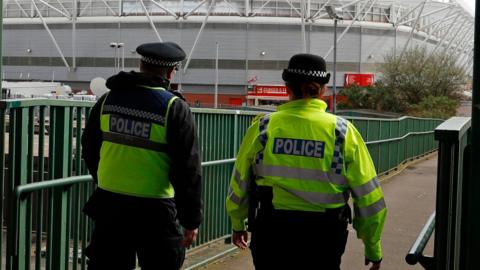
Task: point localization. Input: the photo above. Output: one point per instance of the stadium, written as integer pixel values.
(232, 45)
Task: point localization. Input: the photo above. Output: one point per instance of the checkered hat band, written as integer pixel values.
(313, 73)
(157, 62)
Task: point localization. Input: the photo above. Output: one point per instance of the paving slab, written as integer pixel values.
(410, 198)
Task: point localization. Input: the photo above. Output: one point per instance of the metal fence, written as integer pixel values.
(392, 142)
(40, 140)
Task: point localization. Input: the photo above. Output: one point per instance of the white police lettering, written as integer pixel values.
(297, 147)
(288, 146)
(129, 126)
(278, 145)
(309, 148)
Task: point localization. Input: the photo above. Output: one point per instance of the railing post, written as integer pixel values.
(443, 228)
(451, 187)
(18, 149)
(235, 133)
(59, 160)
(472, 198)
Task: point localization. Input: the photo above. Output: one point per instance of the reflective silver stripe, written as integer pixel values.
(134, 141)
(243, 185)
(365, 188)
(337, 179)
(239, 201)
(317, 197)
(300, 173)
(370, 210)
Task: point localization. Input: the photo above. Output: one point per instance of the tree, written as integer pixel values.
(417, 75)
(416, 83)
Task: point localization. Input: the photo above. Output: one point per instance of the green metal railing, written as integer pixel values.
(392, 142)
(40, 140)
(415, 254)
(452, 218)
(220, 135)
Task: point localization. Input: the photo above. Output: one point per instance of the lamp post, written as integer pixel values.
(215, 102)
(121, 45)
(333, 14)
(118, 45)
(114, 45)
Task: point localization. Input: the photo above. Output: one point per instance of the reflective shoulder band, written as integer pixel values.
(134, 141)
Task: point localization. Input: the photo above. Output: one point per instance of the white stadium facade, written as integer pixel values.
(74, 41)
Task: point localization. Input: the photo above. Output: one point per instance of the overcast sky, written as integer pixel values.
(470, 4)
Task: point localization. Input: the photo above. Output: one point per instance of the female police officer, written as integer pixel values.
(293, 176)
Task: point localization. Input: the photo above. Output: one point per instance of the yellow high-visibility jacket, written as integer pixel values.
(133, 155)
(313, 161)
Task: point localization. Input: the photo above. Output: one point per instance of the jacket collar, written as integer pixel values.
(304, 103)
(129, 80)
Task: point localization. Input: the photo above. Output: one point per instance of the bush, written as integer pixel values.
(374, 97)
(435, 107)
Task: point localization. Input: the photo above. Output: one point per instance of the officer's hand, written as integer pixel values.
(375, 265)
(240, 239)
(189, 236)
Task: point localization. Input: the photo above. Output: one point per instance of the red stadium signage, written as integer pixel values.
(269, 91)
(360, 79)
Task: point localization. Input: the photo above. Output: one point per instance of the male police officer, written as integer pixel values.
(294, 172)
(140, 145)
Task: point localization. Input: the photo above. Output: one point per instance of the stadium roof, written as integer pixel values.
(446, 22)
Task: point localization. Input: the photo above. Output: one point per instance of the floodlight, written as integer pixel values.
(333, 12)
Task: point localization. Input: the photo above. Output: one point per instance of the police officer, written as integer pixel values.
(140, 146)
(293, 176)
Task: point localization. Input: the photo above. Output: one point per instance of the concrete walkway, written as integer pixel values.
(410, 198)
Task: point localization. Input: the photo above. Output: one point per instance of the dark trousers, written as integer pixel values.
(298, 240)
(128, 227)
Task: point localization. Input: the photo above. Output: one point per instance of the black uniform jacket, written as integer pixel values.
(185, 169)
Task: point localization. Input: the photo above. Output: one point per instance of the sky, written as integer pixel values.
(468, 4)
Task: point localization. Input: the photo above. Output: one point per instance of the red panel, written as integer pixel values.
(235, 101)
(361, 79)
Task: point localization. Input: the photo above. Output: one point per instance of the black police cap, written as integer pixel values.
(306, 67)
(161, 54)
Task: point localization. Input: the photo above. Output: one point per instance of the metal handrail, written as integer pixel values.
(399, 138)
(69, 181)
(415, 254)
